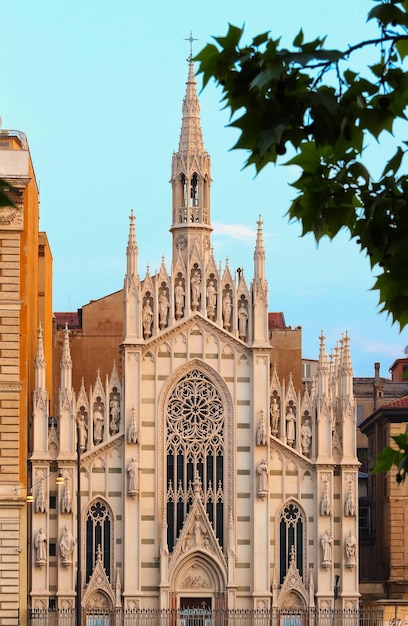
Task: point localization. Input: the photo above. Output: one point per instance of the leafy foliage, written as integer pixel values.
(390, 457)
(310, 100)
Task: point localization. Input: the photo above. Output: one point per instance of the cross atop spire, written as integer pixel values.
(191, 39)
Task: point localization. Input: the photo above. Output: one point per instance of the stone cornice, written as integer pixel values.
(10, 387)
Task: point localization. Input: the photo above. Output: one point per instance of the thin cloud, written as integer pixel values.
(393, 351)
(235, 231)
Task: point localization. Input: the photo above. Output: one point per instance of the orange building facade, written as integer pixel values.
(25, 271)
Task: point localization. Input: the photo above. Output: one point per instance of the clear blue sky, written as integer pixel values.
(97, 86)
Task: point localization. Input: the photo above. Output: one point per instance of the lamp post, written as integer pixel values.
(79, 566)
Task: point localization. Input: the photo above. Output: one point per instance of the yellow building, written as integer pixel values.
(25, 269)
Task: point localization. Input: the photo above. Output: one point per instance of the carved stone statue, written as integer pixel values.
(274, 416)
(261, 432)
(114, 409)
(325, 506)
(262, 470)
(147, 318)
(133, 473)
(98, 424)
(211, 300)
(83, 435)
(66, 500)
(326, 541)
(67, 544)
(195, 290)
(350, 546)
(226, 310)
(290, 427)
(40, 501)
(242, 320)
(40, 545)
(179, 299)
(163, 308)
(306, 437)
(350, 505)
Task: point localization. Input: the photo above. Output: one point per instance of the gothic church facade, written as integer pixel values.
(206, 479)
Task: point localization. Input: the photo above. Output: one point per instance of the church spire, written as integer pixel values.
(259, 253)
(191, 138)
(191, 181)
(66, 363)
(131, 251)
(131, 291)
(260, 291)
(39, 362)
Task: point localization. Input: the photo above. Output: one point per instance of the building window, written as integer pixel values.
(364, 518)
(291, 529)
(98, 528)
(306, 370)
(360, 414)
(195, 452)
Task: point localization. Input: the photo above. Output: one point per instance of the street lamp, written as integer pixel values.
(79, 566)
(59, 481)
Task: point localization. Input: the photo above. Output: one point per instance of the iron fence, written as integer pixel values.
(205, 617)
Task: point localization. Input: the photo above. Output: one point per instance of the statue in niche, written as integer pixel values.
(179, 299)
(40, 545)
(147, 318)
(133, 474)
(274, 416)
(326, 541)
(306, 437)
(98, 424)
(200, 532)
(66, 500)
(211, 300)
(290, 427)
(242, 320)
(226, 310)
(261, 432)
(133, 435)
(195, 290)
(163, 308)
(262, 471)
(114, 409)
(40, 502)
(325, 506)
(350, 546)
(67, 544)
(82, 428)
(350, 505)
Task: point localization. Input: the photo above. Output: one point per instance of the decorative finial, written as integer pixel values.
(191, 39)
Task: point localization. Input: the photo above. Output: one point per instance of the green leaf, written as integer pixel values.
(260, 39)
(298, 40)
(394, 163)
(232, 38)
(402, 48)
(386, 460)
(388, 14)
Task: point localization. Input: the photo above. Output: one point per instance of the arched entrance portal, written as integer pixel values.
(198, 585)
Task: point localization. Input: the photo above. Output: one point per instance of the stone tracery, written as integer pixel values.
(195, 450)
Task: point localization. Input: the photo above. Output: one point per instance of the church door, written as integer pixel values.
(195, 611)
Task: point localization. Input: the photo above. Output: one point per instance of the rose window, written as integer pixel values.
(195, 451)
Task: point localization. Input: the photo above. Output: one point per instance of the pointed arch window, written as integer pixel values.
(195, 451)
(98, 530)
(194, 190)
(291, 535)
